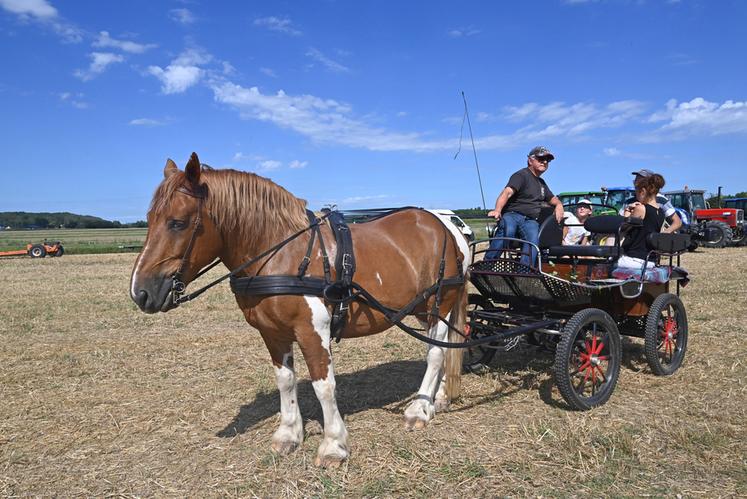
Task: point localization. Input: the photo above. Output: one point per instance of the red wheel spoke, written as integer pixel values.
(599, 349)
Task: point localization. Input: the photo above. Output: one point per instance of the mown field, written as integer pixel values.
(77, 241)
(99, 399)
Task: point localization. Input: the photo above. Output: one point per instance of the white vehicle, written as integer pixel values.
(448, 215)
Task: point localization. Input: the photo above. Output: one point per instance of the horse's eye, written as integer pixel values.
(176, 224)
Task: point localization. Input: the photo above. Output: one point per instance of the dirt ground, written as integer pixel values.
(100, 399)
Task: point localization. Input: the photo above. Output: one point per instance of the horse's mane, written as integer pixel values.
(242, 204)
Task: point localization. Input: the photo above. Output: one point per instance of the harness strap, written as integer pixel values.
(178, 298)
(307, 259)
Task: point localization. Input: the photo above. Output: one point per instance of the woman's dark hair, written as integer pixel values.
(651, 184)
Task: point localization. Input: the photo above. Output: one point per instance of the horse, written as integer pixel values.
(200, 214)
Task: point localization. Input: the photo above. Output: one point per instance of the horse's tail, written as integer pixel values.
(453, 364)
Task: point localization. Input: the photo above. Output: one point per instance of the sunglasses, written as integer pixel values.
(543, 159)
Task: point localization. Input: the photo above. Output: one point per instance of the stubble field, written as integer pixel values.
(99, 399)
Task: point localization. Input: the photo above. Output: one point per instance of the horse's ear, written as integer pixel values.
(193, 170)
(169, 169)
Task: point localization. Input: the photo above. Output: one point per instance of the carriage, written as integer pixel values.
(574, 301)
(308, 279)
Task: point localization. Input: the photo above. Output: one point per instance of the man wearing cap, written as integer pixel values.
(518, 206)
(673, 219)
(574, 231)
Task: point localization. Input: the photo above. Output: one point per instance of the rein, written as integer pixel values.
(330, 291)
(178, 287)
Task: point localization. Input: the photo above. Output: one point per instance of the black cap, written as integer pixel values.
(541, 152)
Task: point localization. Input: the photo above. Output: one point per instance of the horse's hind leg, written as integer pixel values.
(421, 410)
(315, 346)
(289, 434)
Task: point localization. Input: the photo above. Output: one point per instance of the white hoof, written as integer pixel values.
(419, 413)
(331, 454)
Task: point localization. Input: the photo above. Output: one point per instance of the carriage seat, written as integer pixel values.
(551, 237)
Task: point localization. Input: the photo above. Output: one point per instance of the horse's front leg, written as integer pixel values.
(289, 435)
(421, 410)
(316, 350)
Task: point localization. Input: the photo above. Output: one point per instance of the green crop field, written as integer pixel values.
(77, 241)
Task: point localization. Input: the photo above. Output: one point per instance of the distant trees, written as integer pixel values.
(24, 220)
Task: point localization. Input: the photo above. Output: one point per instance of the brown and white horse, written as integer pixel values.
(242, 215)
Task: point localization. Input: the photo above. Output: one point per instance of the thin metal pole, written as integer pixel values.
(474, 151)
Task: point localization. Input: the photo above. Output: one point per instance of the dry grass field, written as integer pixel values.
(99, 399)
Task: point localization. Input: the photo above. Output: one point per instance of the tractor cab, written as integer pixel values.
(616, 196)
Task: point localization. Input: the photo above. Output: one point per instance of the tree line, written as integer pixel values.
(59, 220)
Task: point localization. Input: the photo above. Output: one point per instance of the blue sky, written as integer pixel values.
(358, 103)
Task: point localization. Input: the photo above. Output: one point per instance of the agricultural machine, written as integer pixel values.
(711, 227)
(37, 250)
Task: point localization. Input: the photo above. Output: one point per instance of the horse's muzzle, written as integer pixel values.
(154, 295)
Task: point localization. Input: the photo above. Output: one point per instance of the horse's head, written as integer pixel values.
(181, 238)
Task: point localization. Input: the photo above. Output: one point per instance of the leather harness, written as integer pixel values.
(340, 292)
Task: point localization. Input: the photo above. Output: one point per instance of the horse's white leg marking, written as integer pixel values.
(334, 447)
(422, 409)
(289, 434)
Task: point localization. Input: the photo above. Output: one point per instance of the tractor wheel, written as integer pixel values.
(588, 358)
(476, 359)
(724, 234)
(60, 251)
(738, 237)
(37, 251)
(666, 334)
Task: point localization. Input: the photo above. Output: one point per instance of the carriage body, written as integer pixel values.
(586, 302)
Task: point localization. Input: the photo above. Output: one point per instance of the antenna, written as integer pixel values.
(474, 151)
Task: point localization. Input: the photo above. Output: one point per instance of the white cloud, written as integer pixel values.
(146, 122)
(99, 62)
(44, 13)
(558, 119)
(699, 117)
(321, 120)
(326, 61)
(268, 72)
(269, 164)
(182, 16)
(611, 151)
(281, 25)
(40, 9)
(74, 99)
(241, 157)
(360, 199)
(295, 164)
(105, 40)
(462, 32)
(183, 72)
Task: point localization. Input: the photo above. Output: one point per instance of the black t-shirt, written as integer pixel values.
(530, 191)
(635, 241)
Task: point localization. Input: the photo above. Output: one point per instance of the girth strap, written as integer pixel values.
(340, 291)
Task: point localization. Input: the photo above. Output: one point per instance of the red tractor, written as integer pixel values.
(710, 227)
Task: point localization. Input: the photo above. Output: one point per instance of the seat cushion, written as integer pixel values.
(584, 250)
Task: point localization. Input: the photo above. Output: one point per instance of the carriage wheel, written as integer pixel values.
(587, 360)
(476, 359)
(666, 334)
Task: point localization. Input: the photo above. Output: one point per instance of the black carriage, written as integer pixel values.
(574, 301)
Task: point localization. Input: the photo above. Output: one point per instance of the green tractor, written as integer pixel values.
(597, 198)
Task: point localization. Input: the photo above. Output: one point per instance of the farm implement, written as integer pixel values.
(39, 250)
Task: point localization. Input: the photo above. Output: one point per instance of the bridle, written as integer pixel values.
(177, 284)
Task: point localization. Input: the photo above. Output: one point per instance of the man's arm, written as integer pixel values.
(558, 204)
(674, 224)
(500, 202)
